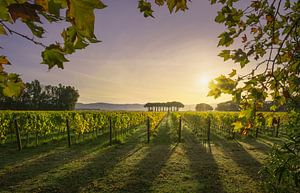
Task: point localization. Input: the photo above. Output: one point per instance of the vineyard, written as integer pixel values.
(36, 128)
(109, 151)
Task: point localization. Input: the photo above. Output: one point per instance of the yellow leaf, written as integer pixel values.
(42, 3)
(253, 30)
(2, 30)
(4, 60)
(269, 18)
(275, 40)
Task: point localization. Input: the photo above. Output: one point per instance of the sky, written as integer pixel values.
(166, 58)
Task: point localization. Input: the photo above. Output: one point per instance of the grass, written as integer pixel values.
(135, 166)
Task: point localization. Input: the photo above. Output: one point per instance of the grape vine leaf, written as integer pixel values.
(53, 55)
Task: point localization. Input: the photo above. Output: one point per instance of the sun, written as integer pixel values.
(204, 80)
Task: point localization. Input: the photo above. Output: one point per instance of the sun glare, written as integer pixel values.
(204, 80)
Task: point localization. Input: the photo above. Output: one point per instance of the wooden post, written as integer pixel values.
(277, 128)
(110, 131)
(36, 138)
(11, 131)
(68, 131)
(18, 136)
(27, 139)
(148, 130)
(208, 128)
(254, 118)
(179, 131)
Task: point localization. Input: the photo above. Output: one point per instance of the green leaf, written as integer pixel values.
(233, 73)
(81, 15)
(2, 30)
(237, 126)
(145, 7)
(4, 14)
(225, 54)
(213, 2)
(287, 4)
(273, 108)
(160, 2)
(73, 40)
(240, 57)
(214, 90)
(54, 6)
(220, 85)
(36, 30)
(178, 4)
(11, 84)
(171, 5)
(225, 39)
(181, 5)
(54, 56)
(220, 17)
(247, 113)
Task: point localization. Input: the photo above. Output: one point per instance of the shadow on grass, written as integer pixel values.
(257, 145)
(239, 155)
(271, 139)
(10, 156)
(149, 168)
(202, 163)
(96, 167)
(40, 160)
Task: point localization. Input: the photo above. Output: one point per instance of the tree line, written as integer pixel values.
(168, 106)
(233, 106)
(39, 97)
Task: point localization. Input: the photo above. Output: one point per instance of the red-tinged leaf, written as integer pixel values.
(253, 30)
(25, 11)
(4, 60)
(43, 3)
(269, 18)
(244, 38)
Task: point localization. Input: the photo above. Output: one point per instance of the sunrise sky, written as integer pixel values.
(139, 59)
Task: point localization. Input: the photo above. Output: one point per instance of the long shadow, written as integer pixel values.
(97, 167)
(272, 139)
(32, 163)
(203, 164)
(239, 155)
(10, 156)
(147, 170)
(49, 159)
(257, 145)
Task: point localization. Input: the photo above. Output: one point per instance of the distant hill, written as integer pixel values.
(110, 107)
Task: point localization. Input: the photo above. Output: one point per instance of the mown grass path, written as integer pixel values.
(135, 166)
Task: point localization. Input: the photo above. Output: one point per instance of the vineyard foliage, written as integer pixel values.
(43, 124)
(35, 125)
(227, 123)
